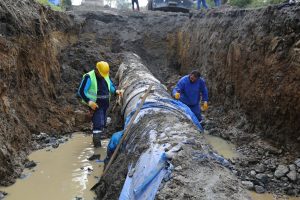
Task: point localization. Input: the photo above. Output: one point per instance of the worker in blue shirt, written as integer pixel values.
(189, 89)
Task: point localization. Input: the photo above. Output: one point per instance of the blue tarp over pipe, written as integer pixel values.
(148, 174)
(171, 105)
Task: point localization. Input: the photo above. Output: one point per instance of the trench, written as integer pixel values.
(162, 44)
(61, 173)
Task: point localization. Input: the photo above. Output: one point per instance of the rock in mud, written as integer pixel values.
(248, 185)
(297, 162)
(62, 140)
(56, 145)
(94, 157)
(292, 192)
(292, 167)
(292, 175)
(23, 176)
(209, 124)
(259, 189)
(30, 164)
(281, 171)
(260, 168)
(262, 177)
(178, 168)
(2, 195)
(43, 136)
(284, 179)
(252, 173)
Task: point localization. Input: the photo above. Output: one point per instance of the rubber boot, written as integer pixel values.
(97, 138)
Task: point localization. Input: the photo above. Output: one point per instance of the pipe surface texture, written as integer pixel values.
(165, 155)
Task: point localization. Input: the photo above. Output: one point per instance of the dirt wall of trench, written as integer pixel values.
(31, 36)
(250, 60)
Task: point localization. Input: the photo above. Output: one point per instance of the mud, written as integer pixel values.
(65, 172)
(256, 196)
(258, 158)
(229, 151)
(250, 65)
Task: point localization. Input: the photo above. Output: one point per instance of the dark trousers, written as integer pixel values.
(197, 111)
(99, 119)
(137, 4)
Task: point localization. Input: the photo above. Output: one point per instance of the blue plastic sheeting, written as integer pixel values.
(169, 104)
(148, 173)
(55, 2)
(114, 141)
(142, 182)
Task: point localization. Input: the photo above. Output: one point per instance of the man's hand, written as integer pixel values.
(177, 95)
(93, 105)
(204, 107)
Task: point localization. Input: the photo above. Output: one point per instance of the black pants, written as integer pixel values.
(137, 4)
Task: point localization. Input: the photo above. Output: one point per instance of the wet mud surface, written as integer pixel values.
(262, 165)
(65, 172)
(251, 68)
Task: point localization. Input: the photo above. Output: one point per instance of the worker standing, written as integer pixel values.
(95, 90)
(189, 89)
(137, 4)
(204, 4)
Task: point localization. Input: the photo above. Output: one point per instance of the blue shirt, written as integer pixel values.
(190, 92)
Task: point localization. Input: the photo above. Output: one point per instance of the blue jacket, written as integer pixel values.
(114, 141)
(190, 92)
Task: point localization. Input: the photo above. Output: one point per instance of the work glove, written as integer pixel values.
(93, 105)
(204, 107)
(120, 92)
(177, 95)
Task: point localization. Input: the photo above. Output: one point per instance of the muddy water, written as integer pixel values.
(62, 173)
(227, 150)
(223, 147)
(266, 196)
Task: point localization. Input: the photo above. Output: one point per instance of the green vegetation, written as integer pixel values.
(65, 4)
(46, 3)
(240, 3)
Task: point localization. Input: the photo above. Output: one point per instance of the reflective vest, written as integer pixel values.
(92, 91)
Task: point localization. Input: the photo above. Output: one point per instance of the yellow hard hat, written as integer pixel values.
(103, 68)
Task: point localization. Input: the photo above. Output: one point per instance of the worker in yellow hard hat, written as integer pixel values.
(95, 90)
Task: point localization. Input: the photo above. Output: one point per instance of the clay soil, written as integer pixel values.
(249, 58)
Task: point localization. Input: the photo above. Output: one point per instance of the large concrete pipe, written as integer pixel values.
(165, 155)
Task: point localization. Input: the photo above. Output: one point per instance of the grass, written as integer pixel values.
(46, 3)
